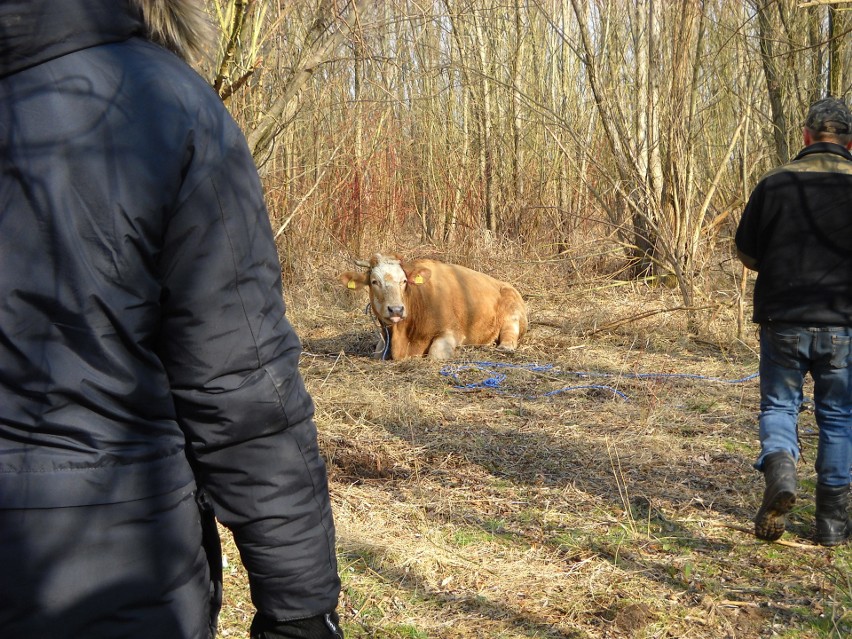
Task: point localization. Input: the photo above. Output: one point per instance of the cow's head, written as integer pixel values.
(388, 281)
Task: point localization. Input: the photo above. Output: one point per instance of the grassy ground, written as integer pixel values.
(534, 508)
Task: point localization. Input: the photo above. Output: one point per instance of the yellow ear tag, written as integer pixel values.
(418, 279)
(350, 284)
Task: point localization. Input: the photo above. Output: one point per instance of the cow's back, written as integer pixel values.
(472, 305)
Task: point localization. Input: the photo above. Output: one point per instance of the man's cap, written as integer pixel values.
(829, 115)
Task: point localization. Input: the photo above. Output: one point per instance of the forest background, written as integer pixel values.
(624, 134)
(597, 154)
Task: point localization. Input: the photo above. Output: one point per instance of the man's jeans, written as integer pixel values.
(787, 354)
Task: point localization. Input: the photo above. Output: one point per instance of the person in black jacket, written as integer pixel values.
(796, 232)
(148, 375)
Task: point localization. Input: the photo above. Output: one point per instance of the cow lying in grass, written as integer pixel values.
(429, 307)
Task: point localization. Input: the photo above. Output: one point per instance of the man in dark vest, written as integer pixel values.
(796, 232)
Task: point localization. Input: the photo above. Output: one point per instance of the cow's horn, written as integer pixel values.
(362, 263)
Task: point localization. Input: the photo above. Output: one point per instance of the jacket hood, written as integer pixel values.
(34, 31)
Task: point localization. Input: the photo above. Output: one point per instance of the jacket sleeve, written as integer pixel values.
(232, 359)
(748, 231)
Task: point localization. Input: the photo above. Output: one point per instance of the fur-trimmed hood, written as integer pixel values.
(179, 25)
(33, 31)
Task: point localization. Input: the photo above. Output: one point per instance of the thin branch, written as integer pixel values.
(633, 318)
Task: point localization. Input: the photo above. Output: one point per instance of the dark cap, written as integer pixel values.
(829, 115)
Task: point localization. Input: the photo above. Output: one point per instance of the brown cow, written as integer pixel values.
(429, 307)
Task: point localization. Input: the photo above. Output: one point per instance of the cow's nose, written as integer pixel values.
(395, 310)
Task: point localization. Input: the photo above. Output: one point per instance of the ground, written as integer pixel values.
(597, 483)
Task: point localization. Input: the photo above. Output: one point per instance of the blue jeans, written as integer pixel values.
(787, 354)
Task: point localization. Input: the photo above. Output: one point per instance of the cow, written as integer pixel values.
(428, 308)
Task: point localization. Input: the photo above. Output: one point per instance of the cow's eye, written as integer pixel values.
(374, 283)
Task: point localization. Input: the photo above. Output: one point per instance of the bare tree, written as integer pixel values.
(329, 30)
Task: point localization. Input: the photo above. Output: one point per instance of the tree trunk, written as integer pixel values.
(486, 125)
(773, 81)
(838, 26)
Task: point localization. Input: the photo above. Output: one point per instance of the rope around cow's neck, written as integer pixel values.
(384, 332)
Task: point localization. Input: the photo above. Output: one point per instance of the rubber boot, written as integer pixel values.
(832, 522)
(779, 473)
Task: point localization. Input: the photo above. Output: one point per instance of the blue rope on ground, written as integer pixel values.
(495, 379)
(671, 375)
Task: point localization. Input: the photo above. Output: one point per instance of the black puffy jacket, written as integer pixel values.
(143, 342)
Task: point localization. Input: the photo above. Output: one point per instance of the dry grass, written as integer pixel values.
(588, 513)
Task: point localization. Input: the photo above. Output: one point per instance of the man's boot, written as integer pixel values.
(832, 522)
(779, 473)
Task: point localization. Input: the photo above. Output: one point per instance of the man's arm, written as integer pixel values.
(748, 230)
(233, 363)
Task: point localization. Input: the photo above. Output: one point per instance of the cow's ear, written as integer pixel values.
(353, 281)
(419, 276)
